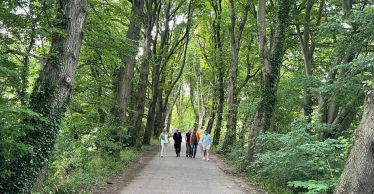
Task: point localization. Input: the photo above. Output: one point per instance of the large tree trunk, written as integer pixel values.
(358, 174)
(157, 123)
(123, 86)
(221, 70)
(156, 73)
(51, 96)
(152, 106)
(141, 93)
(271, 64)
(221, 102)
(232, 105)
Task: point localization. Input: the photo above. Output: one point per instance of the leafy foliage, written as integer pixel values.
(11, 131)
(79, 163)
(299, 159)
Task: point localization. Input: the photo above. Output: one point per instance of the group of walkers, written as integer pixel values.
(192, 140)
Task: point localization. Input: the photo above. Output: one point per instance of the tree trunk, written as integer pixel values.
(196, 113)
(95, 74)
(180, 108)
(140, 99)
(358, 174)
(330, 109)
(211, 117)
(218, 44)
(244, 128)
(156, 73)
(157, 124)
(137, 126)
(152, 106)
(221, 102)
(51, 96)
(123, 86)
(271, 64)
(168, 120)
(38, 185)
(232, 105)
(307, 45)
(201, 108)
(170, 108)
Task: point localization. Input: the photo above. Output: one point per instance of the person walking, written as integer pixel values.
(164, 142)
(206, 141)
(194, 141)
(188, 144)
(177, 137)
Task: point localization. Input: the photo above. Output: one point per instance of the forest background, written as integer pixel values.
(284, 86)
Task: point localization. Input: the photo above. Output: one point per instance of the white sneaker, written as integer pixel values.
(203, 158)
(207, 160)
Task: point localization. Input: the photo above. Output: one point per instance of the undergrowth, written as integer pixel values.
(77, 165)
(294, 162)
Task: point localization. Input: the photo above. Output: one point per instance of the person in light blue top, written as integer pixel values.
(206, 141)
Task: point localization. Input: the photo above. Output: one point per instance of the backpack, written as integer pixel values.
(162, 136)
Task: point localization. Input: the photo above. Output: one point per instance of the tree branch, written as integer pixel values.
(41, 59)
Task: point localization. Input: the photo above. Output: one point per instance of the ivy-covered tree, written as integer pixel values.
(271, 59)
(50, 97)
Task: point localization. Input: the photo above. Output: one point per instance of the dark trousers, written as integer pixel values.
(188, 149)
(177, 147)
(194, 149)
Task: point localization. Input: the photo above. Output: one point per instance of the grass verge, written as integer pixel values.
(78, 173)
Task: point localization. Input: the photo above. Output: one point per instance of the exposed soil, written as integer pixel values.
(240, 178)
(122, 179)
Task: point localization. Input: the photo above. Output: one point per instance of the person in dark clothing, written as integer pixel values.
(177, 142)
(188, 144)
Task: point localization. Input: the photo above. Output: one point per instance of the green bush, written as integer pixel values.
(237, 153)
(315, 187)
(79, 163)
(299, 160)
(12, 129)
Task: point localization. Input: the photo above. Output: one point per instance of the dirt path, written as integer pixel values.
(170, 174)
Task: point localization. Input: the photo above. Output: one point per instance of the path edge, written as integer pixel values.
(120, 180)
(239, 178)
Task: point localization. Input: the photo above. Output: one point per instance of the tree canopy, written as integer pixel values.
(285, 87)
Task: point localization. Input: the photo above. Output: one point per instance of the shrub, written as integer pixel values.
(78, 163)
(298, 160)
